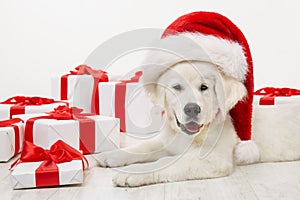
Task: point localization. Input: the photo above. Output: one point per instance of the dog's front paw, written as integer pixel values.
(108, 159)
(133, 180)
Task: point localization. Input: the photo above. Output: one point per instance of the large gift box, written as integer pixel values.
(11, 138)
(80, 87)
(21, 105)
(127, 101)
(270, 96)
(86, 132)
(37, 167)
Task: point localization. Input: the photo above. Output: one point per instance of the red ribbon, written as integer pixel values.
(21, 101)
(270, 93)
(10, 123)
(47, 174)
(98, 75)
(86, 126)
(120, 97)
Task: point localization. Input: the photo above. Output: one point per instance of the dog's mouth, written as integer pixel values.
(189, 128)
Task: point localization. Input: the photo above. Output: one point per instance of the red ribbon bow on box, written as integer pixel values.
(10, 123)
(270, 93)
(86, 125)
(67, 113)
(47, 174)
(120, 96)
(21, 101)
(98, 75)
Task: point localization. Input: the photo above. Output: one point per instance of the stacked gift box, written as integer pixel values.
(89, 114)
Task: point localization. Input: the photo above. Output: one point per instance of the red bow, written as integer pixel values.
(67, 113)
(84, 69)
(135, 78)
(19, 103)
(277, 92)
(22, 100)
(10, 122)
(270, 93)
(59, 152)
(47, 173)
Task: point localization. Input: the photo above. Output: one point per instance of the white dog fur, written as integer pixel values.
(276, 133)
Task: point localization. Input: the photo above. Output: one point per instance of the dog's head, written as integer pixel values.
(194, 93)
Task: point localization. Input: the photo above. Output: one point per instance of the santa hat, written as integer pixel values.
(211, 37)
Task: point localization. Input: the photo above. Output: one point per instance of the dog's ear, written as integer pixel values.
(156, 93)
(228, 91)
(234, 90)
(220, 94)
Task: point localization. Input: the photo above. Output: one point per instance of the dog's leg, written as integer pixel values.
(144, 152)
(164, 144)
(188, 167)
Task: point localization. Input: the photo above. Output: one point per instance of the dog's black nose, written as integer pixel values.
(192, 109)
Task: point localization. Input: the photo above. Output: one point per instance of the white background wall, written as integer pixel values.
(40, 39)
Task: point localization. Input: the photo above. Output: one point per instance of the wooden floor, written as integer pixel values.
(259, 181)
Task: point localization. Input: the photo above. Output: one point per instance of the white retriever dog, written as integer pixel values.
(198, 131)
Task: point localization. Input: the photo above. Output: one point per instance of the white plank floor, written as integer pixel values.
(259, 181)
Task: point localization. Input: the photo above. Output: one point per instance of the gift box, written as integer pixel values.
(37, 167)
(127, 101)
(86, 132)
(21, 105)
(79, 87)
(11, 138)
(270, 96)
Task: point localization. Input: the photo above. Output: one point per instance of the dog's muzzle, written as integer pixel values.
(189, 128)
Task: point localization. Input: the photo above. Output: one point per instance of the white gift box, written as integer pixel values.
(8, 141)
(141, 115)
(79, 87)
(47, 131)
(79, 90)
(24, 174)
(6, 108)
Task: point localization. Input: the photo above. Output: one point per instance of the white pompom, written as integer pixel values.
(246, 152)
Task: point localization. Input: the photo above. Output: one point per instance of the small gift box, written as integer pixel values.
(270, 96)
(127, 101)
(37, 167)
(11, 138)
(21, 105)
(80, 87)
(87, 132)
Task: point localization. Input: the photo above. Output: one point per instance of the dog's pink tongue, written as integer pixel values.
(192, 127)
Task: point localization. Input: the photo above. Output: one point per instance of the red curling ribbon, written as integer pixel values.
(120, 97)
(270, 93)
(86, 126)
(47, 174)
(20, 102)
(10, 123)
(98, 75)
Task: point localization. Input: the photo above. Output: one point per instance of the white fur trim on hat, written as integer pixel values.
(246, 152)
(228, 56)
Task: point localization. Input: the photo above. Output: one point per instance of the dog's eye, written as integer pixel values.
(177, 87)
(203, 87)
